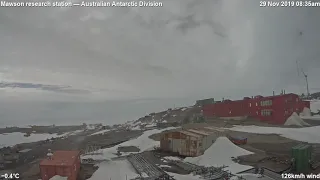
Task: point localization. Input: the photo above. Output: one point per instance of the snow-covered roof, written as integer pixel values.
(188, 133)
(199, 132)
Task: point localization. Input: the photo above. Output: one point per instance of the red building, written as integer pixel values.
(62, 163)
(272, 109)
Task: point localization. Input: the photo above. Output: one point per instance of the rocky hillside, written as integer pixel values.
(315, 95)
(177, 115)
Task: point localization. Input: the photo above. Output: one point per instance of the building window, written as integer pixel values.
(266, 103)
(266, 112)
(256, 104)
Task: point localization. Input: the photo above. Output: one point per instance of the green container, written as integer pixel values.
(205, 101)
(302, 154)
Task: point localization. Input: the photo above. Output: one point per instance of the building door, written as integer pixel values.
(175, 145)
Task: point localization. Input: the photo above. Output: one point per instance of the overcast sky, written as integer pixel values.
(170, 55)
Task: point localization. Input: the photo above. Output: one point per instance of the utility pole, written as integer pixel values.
(306, 77)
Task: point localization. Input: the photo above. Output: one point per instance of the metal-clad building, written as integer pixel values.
(271, 109)
(188, 142)
(62, 163)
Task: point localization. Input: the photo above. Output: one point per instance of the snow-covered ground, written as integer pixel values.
(172, 158)
(114, 170)
(151, 125)
(307, 134)
(100, 132)
(183, 109)
(220, 153)
(72, 133)
(164, 166)
(143, 142)
(11, 139)
(316, 117)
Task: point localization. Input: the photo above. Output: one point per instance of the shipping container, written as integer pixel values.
(302, 156)
(62, 163)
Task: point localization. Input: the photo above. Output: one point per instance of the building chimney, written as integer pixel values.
(273, 93)
(222, 99)
(284, 91)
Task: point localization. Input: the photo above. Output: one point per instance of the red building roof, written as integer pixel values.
(61, 158)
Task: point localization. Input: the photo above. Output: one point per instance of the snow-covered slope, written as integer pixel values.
(306, 134)
(100, 132)
(219, 154)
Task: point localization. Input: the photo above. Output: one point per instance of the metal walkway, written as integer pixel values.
(146, 169)
(207, 173)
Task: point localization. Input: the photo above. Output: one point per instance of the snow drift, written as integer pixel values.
(295, 120)
(306, 112)
(220, 153)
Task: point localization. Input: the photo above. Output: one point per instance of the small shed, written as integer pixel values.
(62, 163)
(187, 142)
